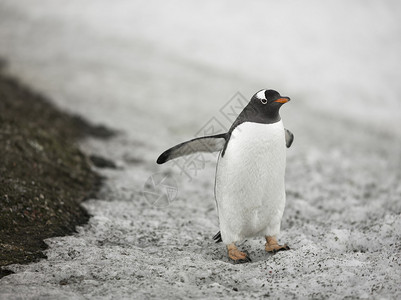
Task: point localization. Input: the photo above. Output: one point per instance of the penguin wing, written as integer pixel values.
(289, 138)
(211, 143)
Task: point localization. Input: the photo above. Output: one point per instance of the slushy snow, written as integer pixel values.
(165, 72)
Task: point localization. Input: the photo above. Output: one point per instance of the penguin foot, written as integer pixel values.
(273, 246)
(237, 256)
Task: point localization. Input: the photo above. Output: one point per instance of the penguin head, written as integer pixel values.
(268, 100)
(264, 107)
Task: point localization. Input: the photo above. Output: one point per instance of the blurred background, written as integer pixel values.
(160, 72)
(166, 67)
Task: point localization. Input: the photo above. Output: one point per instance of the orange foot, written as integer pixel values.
(273, 246)
(237, 256)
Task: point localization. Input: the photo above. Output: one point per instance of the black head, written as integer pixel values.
(268, 101)
(263, 108)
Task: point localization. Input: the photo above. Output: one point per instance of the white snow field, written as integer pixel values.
(162, 72)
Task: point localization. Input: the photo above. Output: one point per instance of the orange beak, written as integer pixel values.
(283, 100)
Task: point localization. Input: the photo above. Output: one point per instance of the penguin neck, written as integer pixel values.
(261, 116)
(271, 116)
(249, 114)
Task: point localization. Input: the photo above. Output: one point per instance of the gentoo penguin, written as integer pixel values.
(249, 186)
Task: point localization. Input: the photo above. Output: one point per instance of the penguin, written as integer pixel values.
(249, 184)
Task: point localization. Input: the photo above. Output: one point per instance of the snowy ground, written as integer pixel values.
(165, 72)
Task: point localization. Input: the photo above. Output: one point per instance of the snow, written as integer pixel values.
(161, 72)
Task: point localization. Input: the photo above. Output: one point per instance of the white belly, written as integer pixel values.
(250, 191)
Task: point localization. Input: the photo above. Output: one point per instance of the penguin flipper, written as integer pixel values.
(211, 143)
(289, 138)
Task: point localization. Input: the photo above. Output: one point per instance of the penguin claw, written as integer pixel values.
(244, 260)
(272, 245)
(241, 261)
(281, 248)
(236, 256)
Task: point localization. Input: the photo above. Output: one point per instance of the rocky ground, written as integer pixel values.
(111, 65)
(43, 175)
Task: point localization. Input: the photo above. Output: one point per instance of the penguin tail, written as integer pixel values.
(217, 237)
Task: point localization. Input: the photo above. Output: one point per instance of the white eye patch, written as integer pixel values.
(261, 96)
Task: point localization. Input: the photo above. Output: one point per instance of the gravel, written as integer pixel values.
(161, 78)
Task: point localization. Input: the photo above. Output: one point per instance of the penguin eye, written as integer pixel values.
(264, 101)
